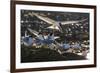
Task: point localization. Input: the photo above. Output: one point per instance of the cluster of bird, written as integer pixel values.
(41, 39)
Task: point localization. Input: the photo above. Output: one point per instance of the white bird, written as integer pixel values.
(55, 24)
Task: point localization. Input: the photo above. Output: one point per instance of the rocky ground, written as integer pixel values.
(32, 54)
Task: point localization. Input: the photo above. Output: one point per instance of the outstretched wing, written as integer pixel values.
(54, 24)
(72, 22)
(46, 19)
(34, 32)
